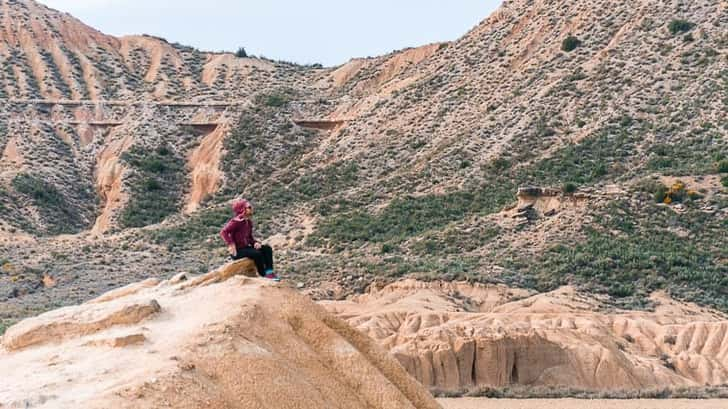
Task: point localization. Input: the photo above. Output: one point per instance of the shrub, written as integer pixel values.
(667, 362)
(676, 193)
(387, 248)
(156, 185)
(586, 162)
(241, 53)
(680, 26)
(56, 211)
(570, 188)
(410, 216)
(724, 181)
(41, 192)
(570, 43)
(723, 166)
(274, 100)
(622, 263)
(501, 164)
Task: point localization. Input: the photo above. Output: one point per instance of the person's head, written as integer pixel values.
(242, 207)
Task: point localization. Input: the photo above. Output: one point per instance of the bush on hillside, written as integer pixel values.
(60, 216)
(570, 188)
(676, 193)
(660, 193)
(241, 53)
(723, 166)
(273, 100)
(570, 43)
(156, 185)
(41, 192)
(680, 26)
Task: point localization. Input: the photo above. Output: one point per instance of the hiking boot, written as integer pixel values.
(272, 276)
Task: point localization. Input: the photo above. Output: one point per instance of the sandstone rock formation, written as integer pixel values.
(454, 335)
(199, 343)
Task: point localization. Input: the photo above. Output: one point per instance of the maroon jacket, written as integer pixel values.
(239, 230)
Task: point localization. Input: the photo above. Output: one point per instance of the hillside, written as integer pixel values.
(557, 143)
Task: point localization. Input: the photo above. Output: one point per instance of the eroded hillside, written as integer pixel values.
(557, 143)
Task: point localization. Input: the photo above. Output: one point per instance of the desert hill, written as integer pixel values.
(193, 343)
(564, 143)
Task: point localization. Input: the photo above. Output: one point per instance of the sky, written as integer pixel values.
(329, 32)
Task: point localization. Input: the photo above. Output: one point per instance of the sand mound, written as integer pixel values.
(451, 336)
(203, 342)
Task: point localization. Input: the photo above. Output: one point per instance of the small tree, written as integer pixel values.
(570, 43)
(241, 53)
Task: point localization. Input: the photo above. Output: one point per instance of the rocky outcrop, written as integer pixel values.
(77, 321)
(554, 339)
(198, 342)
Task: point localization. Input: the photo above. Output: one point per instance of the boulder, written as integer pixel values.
(214, 343)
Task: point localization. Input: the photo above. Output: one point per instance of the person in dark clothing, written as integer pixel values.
(238, 234)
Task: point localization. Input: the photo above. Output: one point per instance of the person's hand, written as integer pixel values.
(257, 246)
(232, 250)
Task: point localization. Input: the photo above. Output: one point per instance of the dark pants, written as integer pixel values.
(263, 258)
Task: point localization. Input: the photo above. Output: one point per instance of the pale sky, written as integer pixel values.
(314, 31)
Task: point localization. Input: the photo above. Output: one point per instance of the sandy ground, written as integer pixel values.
(484, 403)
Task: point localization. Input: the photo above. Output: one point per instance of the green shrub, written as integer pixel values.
(42, 193)
(274, 100)
(724, 181)
(660, 193)
(692, 154)
(570, 43)
(642, 257)
(500, 164)
(329, 180)
(570, 188)
(156, 185)
(680, 26)
(723, 166)
(60, 216)
(203, 224)
(583, 163)
(241, 53)
(410, 216)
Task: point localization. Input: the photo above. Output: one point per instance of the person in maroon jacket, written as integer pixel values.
(238, 234)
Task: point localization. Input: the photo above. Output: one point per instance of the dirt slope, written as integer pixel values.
(455, 335)
(187, 343)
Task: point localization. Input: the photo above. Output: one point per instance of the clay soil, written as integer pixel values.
(484, 403)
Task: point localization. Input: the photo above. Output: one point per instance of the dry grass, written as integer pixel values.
(560, 392)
